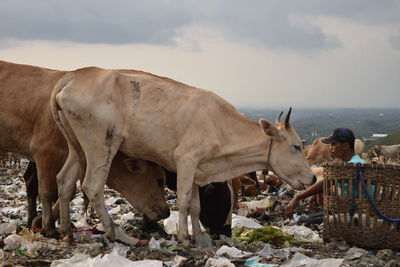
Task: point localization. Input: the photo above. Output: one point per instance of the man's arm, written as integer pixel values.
(315, 189)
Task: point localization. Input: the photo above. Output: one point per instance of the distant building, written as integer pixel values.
(374, 137)
(379, 135)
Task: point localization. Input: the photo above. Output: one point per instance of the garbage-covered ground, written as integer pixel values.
(287, 243)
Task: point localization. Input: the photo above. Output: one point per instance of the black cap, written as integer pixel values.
(340, 135)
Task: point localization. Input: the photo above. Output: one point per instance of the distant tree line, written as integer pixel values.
(313, 123)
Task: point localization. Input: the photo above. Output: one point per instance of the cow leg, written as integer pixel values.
(93, 186)
(185, 177)
(195, 211)
(47, 196)
(66, 180)
(31, 184)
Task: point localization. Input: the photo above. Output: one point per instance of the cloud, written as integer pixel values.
(394, 40)
(159, 22)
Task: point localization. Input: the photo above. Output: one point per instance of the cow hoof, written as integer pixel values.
(37, 222)
(186, 243)
(52, 233)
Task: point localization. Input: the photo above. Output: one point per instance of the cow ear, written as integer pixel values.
(268, 128)
(135, 165)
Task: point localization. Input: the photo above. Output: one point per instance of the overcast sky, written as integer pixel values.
(253, 53)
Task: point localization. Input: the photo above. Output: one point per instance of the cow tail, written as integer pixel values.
(63, 124)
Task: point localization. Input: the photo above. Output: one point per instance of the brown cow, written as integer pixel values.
(27, 128)
(188, 130)
(318, 152)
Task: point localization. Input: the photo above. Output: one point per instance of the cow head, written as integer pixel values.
(376, 149)
(286, 157)
(142, 184)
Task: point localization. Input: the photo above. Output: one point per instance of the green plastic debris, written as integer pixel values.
(25, 253)
(254, 262)
(20, 251)
(267, 234)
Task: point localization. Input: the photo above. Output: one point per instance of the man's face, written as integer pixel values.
(338, 149)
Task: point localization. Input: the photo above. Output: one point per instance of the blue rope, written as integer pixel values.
(361, 177)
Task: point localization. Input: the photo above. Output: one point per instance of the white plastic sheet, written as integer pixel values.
(115, 258)
(171, 224)
(302, 233)
(244, 221)
(300, 259)
(232, 252)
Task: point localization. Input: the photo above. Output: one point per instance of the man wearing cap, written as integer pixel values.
(342, 147)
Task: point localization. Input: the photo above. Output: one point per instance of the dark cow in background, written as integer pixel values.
(215, 198)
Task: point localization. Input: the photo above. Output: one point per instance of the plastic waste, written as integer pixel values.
(178, 261)
(268, 252)
(310, 219)
(110, 201)
(13, 241)
(154, 244)
(8, 228)
(243, 221)
(254, 262)
(264, 203)
(211, 262)
(355, 253)
(171, 224)
(112, 259)
(300, 259)
(203, 241)
(220, 262)
(302, 233)
(232, 252)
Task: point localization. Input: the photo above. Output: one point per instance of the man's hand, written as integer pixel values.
(289, 210)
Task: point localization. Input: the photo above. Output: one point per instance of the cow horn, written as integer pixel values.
(287, 125)
(278, 117)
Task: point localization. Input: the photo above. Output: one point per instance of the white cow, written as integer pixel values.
(190, 131)
(388, 152)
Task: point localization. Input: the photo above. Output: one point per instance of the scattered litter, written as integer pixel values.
(154, 244)
(300, 259)
(355, 253)
(20, 245)
(8, 228)
(113, 259)
(232, 252)
(203, 241)
(255, 262)
(244, 221)
(13, 241)
(268, 252)
(302, 233)
(171, 224)
(220, 262)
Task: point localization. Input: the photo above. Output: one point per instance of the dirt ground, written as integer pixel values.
(20, 246)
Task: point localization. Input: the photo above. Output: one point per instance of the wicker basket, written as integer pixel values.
(349, 215)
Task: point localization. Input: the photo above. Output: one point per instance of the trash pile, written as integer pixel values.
(261, 236)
